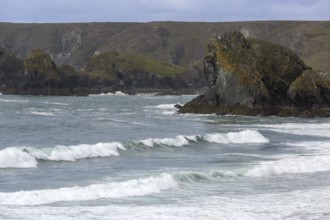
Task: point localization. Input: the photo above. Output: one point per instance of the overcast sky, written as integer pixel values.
(44, 11)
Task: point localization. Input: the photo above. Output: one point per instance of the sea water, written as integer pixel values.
(114, 156)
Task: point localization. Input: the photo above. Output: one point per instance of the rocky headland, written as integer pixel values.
(248, 76)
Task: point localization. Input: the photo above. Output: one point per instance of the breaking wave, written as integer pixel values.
(72, 153)
(247, 136)
(296, 165)
(304, 164)
(178, 141)
(16, 158)
(164, 181)
(26, 157)
(135, 187)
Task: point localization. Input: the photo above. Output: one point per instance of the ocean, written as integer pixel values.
(116, 156)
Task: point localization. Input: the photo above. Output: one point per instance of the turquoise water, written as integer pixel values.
(133, 157)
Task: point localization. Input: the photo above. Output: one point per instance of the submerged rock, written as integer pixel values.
(254, 77)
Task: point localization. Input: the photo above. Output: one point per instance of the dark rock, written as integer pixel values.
(254, 77)
(178, 106)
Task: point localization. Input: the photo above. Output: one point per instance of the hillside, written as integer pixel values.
(170, 42)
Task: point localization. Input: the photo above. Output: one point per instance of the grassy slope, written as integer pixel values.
(105, 64)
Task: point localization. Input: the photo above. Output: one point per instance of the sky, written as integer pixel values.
(59, 11)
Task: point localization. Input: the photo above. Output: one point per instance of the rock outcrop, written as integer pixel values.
(255, 77)
(39, 75)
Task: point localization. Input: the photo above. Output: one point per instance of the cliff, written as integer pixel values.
(254, 77)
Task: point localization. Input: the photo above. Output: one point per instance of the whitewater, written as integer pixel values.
(118, 156)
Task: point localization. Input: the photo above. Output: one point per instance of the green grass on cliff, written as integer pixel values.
(109, 63)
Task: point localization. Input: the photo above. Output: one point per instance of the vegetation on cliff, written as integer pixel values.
(250, 76)
(110, 62)
(134, 72)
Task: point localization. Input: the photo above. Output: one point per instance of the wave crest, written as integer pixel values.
(247, 136)
(26, 157)
(72, 153)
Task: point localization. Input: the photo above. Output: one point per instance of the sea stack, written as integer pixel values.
(254, 77)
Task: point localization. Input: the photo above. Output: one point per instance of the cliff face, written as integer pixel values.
(251, 77)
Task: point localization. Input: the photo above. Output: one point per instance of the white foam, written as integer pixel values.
(316, 146)
(135, 187)
(311, 129)
(56, 103)
(13, 101)
(42, 113)
(246, 136)
(178, 141)
(166, 109)
(72, 153)
(165, 106)
(16, 158)
(296, 204)
(120, 93)
(117, 93)
(26, 157)
(304, 164)
(168, 112)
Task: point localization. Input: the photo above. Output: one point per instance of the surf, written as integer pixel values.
(27, 157)
(110, 190)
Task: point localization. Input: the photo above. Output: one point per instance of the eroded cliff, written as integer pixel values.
(254, 77)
